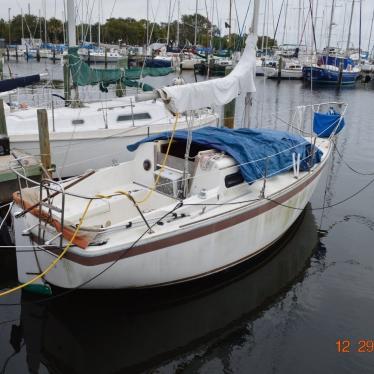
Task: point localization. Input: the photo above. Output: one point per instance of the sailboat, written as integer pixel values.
(190, 203)
(94, 135)
(332, 68)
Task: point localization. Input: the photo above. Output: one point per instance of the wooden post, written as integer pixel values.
(106, 58)
(54, 55)
(38, 55)
(16, 53)
(229, 108)
(1, 65)
(67, 92)
(3, 129)
(45, 148)
(340, 78)
(7, 53)
(280, 63)
(119, 89)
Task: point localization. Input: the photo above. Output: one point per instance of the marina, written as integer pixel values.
(207, 219)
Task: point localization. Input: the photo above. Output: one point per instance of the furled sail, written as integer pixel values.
(84, 75)
(218, 91)
(11, 84)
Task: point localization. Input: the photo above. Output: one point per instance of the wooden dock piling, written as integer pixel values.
(3, 128)
(45, 148)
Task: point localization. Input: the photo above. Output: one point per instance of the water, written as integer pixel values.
(282, 313)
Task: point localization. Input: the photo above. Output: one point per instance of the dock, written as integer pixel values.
(28, 165)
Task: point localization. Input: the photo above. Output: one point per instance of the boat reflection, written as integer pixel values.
(116, 332)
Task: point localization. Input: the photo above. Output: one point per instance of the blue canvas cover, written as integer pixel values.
(324, 124)
(250, 148)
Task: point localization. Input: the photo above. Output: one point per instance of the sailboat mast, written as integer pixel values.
(230, 9)
(196, 8)
(45, 22)
(359, 34)
(177, 38)
(285, 22)
(350, 26)
(168, 30)
(298, 23)
(330, 28)
(371, 29)
(253, 29)
(263, 28)
(147, 40)
(71, 23)
(23, 35)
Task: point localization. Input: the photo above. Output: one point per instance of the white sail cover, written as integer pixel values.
(217, 91)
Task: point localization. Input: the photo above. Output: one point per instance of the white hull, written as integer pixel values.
(89, 145)
(285, 73)
(205, 246)
(190, 64)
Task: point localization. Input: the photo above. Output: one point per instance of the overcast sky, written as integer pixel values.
(159, 12)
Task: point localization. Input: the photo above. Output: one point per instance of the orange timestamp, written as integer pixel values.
(361, 346)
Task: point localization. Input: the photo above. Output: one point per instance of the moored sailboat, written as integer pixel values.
(190, 204)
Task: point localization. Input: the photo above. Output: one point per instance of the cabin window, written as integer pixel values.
(232, 180)
(77, 122)
(135, 116)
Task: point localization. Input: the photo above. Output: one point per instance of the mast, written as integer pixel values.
(71, 23)
(23, 35)
(9, 25)
(285, 22)
(147, 26)
(263, 28)
(168, 31)
(371, 29)
(99, 26)
(330, 28)
(196, 8)
(177, 38)
(45, 21)
(359, 35)
(350, 26)
(253, 30)
(298, 24)
(230, 23)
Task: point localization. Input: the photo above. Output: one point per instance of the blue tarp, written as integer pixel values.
(247, 145)
(336, 61)
(324, 124)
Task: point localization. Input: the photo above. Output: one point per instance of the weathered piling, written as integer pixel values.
(106, 58)
(229, 108)
(16, 53)
(1, 65)
(119, 88)
(38, 55)
(340, 78)
(3, 128)
(67, 91)
(45, 147)
(280, 63)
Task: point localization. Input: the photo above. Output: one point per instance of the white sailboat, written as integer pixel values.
(96, 134)
(190, 204)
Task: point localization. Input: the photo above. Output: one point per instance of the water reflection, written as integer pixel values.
(99, 332)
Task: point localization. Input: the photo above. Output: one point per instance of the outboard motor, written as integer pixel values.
(4, 145)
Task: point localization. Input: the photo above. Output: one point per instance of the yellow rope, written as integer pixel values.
(54, 262)
(150, 192)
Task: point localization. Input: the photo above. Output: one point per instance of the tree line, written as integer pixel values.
(123, 31)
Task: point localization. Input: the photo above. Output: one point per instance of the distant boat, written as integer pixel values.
(290, 70)
(331, 70)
